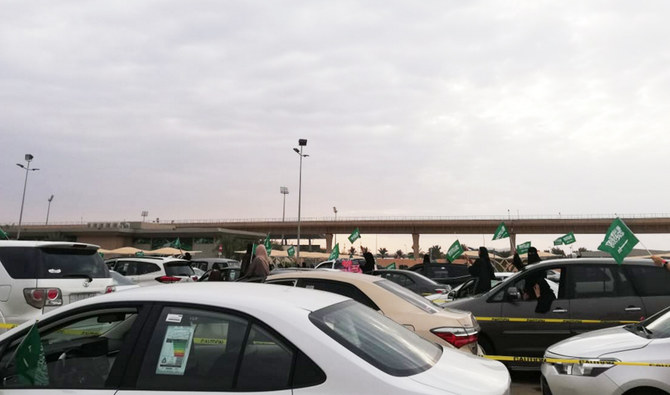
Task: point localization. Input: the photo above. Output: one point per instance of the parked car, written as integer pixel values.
(225, 274)
(444, 273)
(38, 276)
(413, 281)
(250, 338)
(152, 270)
(121, 282)
(587, 289)
(206, 264)
(451, 328)
(645, 342)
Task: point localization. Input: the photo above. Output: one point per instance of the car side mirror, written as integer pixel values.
(513, 293)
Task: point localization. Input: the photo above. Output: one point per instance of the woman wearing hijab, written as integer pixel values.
(260, 266)
(483, 270)
(369, 262)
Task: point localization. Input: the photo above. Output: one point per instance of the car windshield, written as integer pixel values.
(375, 338)
(407, 295)
(120, 279)
(659, 324)
(67, 262)
(181, 268)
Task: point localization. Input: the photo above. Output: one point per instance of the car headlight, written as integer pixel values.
(590, 368)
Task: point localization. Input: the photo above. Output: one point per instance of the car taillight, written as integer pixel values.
(457, 337)
(110, 289)
(168, 279)
(194, 278)
(40, 297)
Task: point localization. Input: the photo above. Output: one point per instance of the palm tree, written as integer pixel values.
(352, 250)
(399, 254)
(383, 252)
(436, 252)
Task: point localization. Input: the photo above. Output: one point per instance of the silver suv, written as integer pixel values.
(39, 276)
(153, 270)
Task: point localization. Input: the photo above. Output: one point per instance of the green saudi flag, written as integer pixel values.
(268, 245)
(335, 253)
(176, 243)
(501, 232)
(4, 234)
(291, 251)
(558, 241)
(454, 251)
(391, 266)
(523, 248)
(568, 238)
(139, 254)
(619, 241)
(31, 364)
(355, 235)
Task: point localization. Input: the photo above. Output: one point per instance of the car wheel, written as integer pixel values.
(645, 391)
(486, 345)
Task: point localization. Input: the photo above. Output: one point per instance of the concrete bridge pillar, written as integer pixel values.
(512, 242)
(415, 245)
(329, 242)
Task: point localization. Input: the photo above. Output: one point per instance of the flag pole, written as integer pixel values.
(645, 247)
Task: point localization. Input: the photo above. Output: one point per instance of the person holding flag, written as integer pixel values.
(260, 265)
(483, 270)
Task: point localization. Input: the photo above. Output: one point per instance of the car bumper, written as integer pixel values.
(565, 384)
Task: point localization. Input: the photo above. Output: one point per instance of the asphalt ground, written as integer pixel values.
(525, 383)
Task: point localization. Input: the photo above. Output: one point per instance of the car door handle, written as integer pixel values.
(559, 310)
(633, 308)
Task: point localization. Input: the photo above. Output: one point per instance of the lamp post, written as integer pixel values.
(283, 191)
(335, 211)
(301, 143)
(28, 158)
(49, 209)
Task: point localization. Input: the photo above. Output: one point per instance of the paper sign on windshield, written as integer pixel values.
(174, 352)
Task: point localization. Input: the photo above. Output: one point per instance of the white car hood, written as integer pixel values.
(596, 343)
(462, 373)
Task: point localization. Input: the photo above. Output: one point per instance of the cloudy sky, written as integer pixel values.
(190, 109)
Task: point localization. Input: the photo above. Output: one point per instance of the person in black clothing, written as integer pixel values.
(537, 288)
(482, 269)
(533, 256)
(369, 262)
(516, 261)
(246, 259)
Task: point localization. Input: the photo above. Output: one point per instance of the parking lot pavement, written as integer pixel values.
(525, 383)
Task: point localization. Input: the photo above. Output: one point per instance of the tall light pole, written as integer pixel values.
(301, 143)
(49, 209)
(335, 211)
(283, 191)
(28, 158)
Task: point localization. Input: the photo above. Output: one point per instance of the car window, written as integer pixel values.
(290, 283)
(178, 269)
(77, 353)
(407, 295)
(659, 324)
(340, 288)
(552, 280)
(376, 339)
(200, 350)
(649, 280)
(147, 267)
(52, 262)
(597, 281)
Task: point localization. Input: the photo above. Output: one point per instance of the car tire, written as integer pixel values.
(645, 391)
(486, 345)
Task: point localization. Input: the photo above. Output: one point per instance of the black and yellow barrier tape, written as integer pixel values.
(554, 320)
(576, 361)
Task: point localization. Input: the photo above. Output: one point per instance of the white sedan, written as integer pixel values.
(233, 338)
(593, 371)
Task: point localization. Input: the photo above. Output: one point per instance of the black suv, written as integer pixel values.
(568, 289)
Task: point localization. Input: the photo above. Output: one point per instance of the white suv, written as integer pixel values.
(39, 276)
(152, 270)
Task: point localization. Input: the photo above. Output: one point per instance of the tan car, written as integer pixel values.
(451, 328)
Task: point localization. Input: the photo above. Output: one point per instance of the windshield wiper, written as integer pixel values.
(641, 328)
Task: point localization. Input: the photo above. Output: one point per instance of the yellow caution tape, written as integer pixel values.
(7, 326)
(554, 320)
(577, 361)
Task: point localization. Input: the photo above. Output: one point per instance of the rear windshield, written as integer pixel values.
(409, 296)
(179, 269)
(377, 339)
(52, 262)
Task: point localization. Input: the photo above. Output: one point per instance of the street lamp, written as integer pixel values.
(301, 143)
(335, 211)
(28, 158)
(48, 209)
(283, 191)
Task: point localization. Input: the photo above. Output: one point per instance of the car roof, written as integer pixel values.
(35, 243)
(327, 275)
(161, 259)
(582, 261)
(238, 295)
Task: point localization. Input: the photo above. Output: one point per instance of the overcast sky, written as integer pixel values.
(190, 109)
